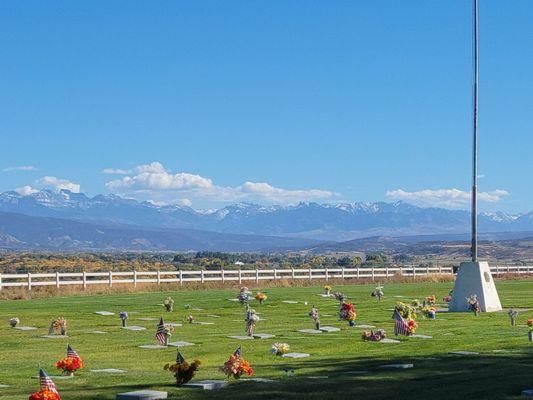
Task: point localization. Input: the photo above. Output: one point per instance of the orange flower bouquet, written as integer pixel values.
(182, 370)
(411, 326)
(261, 297)
(347, 313)
(69, 365)
(431, 300)
(237, 366)
(45, 394)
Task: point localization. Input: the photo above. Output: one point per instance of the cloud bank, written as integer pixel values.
(445, 197)
(154, 182)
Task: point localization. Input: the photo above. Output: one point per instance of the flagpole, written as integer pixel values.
(474, 145)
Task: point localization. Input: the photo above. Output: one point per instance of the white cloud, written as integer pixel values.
(21, 168)
(445, 197)
(116, 171)
(26, 190)
(51, 182)
(154, 182)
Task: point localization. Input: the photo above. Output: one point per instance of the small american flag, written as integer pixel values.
(71, 353)
(400, 326)
(46, 382)
(179, 358)
(160, 333)
(238, 352)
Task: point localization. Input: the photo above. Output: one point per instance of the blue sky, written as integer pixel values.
(206, 103)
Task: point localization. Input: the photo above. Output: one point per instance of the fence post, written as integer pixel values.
(181, 277)
(427, 270)
(240, 275)
(275, 274)
(256, 275)
(373, 272)
(84, 279)
(414, 272)
(358, 272)
(342, 272)
(202, 275)
(158, 277)
(327, 274)
(292, 273)
(222, 274)
(110, 278)
(387, 271)
(29, 281)
(0, 282)
(440, 269)
(310, 274)
(134, 278)
(57, 279)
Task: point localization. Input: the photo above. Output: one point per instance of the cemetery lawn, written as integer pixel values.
(341, 365)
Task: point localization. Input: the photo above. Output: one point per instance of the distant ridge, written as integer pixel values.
(324, 222)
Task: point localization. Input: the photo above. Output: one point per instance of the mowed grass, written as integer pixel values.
(341, 364)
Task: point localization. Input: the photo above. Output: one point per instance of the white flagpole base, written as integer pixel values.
(475, 278)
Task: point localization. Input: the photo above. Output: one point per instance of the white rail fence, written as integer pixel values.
(111, 278)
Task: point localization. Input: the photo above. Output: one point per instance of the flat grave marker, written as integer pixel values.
(465, 353)
(264, 336)
(104, 313)
(109, 371)
(387, 340)
(54, 336)
(180, 344)
(289, 302)
(142, 394)
(134, 328)
(329, 329)
(422, 336)
(25, 328)
(240, 337)
(208, 384)
(365, 326)
(152, 346)
(310, 331)
(295, 355)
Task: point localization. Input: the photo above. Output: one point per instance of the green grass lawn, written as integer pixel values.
(436, 374)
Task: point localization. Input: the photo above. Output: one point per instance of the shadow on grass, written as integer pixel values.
(485, 376)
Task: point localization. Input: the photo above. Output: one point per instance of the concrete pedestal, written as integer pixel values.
(475, 278)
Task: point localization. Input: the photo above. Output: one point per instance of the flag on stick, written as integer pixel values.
(160, 333)
(400, 326)
(71, 353)
(46, 382)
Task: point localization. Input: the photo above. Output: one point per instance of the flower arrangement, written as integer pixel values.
(340, 297)
(244, 295)
(123, 317)
(429, 312)
(261, 297)
(251, 319)
(378, 292)
(347, 313)
(69, 365)
(168, 330)
(190, 319)
(45, 394)
(169, 304)
(473, 304)
(529, 323)
(512, 315)
(412, 326)
(315, 317)
(415, 303)
(371, 336)
(405, 310)
(182, 370)
(447, 298)
(431, 300)
(237, 366)
(279, 348)
(327, 290)
(14, 322)
(58, 326)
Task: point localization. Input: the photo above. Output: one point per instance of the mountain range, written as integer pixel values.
(73, 220)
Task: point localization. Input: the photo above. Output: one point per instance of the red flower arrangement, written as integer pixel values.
(431, 299)
(412, 326)
(237, 366)
(347, 313)
(45, 394)
(69, 365)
